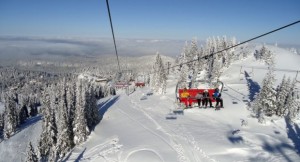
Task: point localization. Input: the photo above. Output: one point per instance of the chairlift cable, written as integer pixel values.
(112, 31)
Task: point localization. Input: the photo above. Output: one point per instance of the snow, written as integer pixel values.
(15, 148)
(137, 130)
(134, 130)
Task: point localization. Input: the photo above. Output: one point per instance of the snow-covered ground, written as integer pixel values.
(14, 149)
(135, 130)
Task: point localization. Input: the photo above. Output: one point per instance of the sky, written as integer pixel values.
(152, 19)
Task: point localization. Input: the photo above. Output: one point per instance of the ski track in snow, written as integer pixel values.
(186, 136)
(177, 149)
(138, 151)
(101, 151)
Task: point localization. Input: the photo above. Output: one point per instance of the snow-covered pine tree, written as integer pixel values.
(264, 103)
(71, 101)
(182, 58)
(201, 62)
(184, 72)
(245, 52)
(268, 57)
(216, 70)
(80, 128)
(292, 104)
(32, 105)
(65, 139)
(88, 106)
(258, 109)
(159, 78)
(268, 94)
(192, 54)
(163, 81)
(262, 52)
(281, 95)
(93, 113)
(31, 155)
(22, 110)
(48, 137)
(232, 43)
(10, 116)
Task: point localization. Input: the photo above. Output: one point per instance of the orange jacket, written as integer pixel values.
(185, 94)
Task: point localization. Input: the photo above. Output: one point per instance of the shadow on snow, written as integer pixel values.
(105, 105)
(235, 139)
(293, 132)
(77, 159)
(253, 86)
(29, 122)
(277, 148)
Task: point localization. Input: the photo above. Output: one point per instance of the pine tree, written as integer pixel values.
(22, 110)
(22, 114)
(216, 70)
(192, 54)
(64, 140)
(94, 117)
(201, 62)
(269, 58)
(159, 77)
(281, 96)
(292, 105)
(31, 155)
(264, 103)
(184, 73)
(71, 103)
(80, 128)
(48, 137)
(262, 52)
(269, 94)
(10, 116)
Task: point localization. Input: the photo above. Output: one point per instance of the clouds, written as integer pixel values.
(24, 47)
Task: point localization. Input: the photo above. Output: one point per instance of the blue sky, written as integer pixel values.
(152, 19)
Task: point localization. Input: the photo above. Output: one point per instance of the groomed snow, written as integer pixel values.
(137, 130)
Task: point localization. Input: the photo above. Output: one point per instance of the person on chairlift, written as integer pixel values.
(185, 95)
(217, 97)
(199, 98)
(206, 99)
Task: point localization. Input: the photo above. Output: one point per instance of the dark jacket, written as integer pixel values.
(205, 95)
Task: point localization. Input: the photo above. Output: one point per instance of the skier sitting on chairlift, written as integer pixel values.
(185, 95)
(199, 98)
(217, 97)
(206, 99)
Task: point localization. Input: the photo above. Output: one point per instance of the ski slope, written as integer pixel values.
(135, 130)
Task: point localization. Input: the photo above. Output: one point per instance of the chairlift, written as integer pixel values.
(202, 85)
